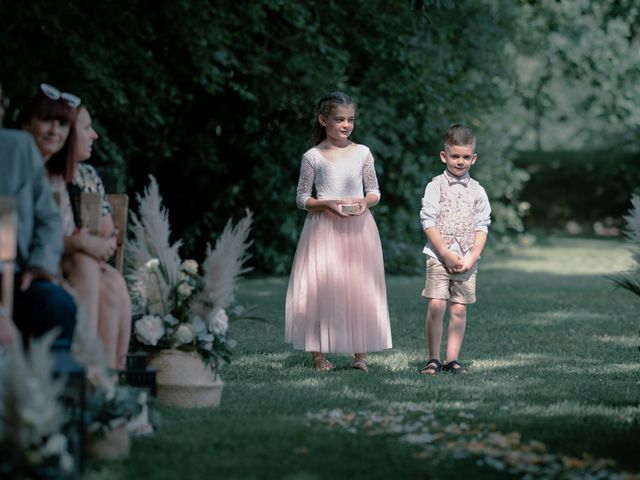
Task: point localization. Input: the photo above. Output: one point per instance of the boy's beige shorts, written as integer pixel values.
(457, 288)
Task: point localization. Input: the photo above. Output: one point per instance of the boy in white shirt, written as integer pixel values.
(455, 216)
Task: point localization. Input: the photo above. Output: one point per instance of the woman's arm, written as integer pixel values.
(102, 249)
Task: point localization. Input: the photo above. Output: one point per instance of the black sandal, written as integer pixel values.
(432, 367)
(454, 366)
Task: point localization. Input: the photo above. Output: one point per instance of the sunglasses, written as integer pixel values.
(54, 94)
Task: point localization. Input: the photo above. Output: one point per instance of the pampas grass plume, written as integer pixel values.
(224, 264)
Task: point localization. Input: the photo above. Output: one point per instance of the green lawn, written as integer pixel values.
(554, 388)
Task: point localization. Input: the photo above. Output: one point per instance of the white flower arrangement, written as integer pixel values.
(109, 405)
(32, 442)
(631, 280)
(179, 307)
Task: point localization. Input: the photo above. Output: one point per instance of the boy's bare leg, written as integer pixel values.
(455, 332)
(433, 326)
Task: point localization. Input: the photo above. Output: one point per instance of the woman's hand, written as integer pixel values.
(8, 331)
(102, 249)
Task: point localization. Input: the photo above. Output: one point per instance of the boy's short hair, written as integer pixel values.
(459, 134)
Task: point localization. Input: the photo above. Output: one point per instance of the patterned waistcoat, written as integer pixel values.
(457, 221)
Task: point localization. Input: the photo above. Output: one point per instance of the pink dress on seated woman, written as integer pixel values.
(337, 298)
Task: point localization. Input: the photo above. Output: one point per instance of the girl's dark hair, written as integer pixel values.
(45, 108)
(325, 105)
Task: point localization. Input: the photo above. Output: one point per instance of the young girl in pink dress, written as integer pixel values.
(337, 298)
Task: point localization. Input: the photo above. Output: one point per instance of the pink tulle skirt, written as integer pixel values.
(337, 297)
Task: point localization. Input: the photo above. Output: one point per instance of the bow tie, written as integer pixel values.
(453, 180)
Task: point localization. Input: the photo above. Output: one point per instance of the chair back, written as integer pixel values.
(120, 213)
(8, 251)
(90, 210)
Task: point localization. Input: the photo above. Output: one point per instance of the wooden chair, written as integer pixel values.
(120, 213)
(90, 211)
(8, 250)
(57, 198)
(90, 206)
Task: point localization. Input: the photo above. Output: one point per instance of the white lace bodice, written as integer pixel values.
(336, 179)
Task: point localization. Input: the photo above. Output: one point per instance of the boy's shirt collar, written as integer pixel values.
(452, 179)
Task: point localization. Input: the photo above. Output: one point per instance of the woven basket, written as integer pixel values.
(185, 381)
(112, 445)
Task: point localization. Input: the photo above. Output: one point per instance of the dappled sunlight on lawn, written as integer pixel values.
(558, 316)
(552, 384)
(622, 340)
(305, 382)
(393, 362)
(578, 410)
(596, 370)
(519, 360)
(262, 360)
(423, 429)
(567, 256)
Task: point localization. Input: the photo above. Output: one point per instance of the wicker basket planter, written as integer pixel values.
(185, 381)
(112, 445)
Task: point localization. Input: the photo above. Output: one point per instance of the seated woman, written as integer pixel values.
(114, 315)
(101, 293)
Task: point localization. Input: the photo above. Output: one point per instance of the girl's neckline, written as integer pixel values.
(348, 147)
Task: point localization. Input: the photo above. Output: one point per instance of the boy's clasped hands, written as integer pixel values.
(454, 263)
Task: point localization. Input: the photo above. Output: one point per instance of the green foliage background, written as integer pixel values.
(216, 98)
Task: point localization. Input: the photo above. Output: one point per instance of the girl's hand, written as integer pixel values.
(335, 206)
(362, 202)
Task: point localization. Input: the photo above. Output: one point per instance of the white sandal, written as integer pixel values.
(322, 364)
(360, 364)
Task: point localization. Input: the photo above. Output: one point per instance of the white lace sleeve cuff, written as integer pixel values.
(369, 177)
(305, 182)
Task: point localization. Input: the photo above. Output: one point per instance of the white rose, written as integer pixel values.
(190, 266)
(218, 322)
(56, 444)
(66, 462)
(149, 329)
(170, 320)
(152, 265)
(207, 345)
(185, 290)
(109, 392)
(184, 333)
(199, 327)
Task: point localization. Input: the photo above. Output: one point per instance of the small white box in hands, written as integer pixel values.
(350, 208)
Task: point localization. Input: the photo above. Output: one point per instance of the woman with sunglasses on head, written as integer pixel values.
(101, 295)
(40, 302)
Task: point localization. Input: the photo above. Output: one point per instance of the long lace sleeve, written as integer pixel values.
(305, 182)
(369, 177)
